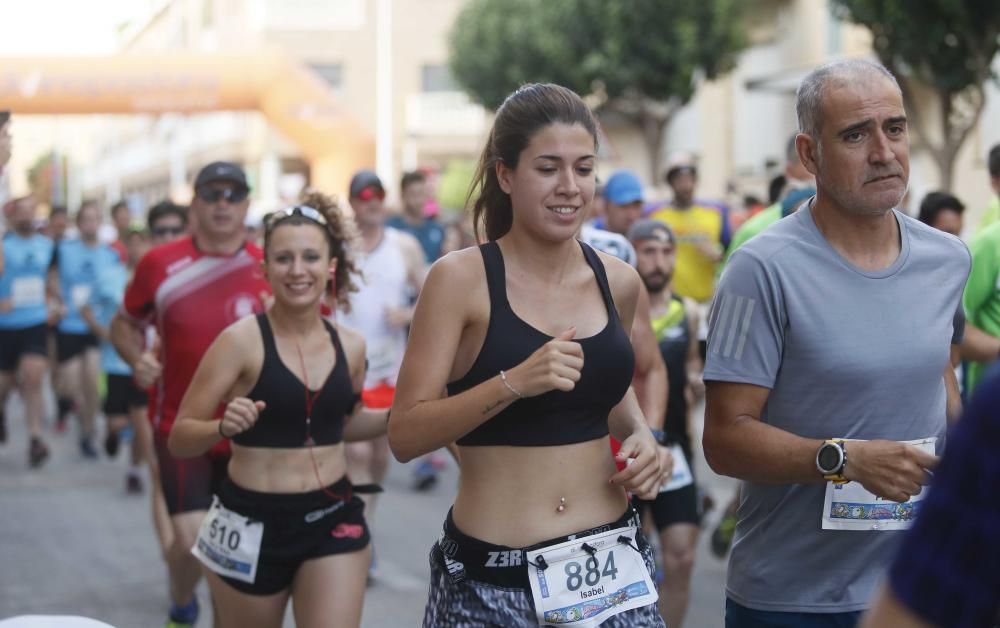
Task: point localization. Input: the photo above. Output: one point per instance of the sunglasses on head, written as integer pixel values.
(271, 220)
(231, 194)
(370, 193)
(160, 232)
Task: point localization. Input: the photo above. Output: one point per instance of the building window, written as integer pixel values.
(437, 78)
(331, 73)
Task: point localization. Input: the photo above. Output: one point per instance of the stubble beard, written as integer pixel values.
(858, 204)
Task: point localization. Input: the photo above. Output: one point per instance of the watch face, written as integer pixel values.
(829, 457)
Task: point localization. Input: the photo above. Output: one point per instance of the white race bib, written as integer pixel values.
(28, 292)
(80, 295)
(851, 507)
(681, 475)
(583, 589)
(229, 543)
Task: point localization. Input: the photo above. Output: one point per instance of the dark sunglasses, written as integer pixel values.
(159, 232)
(214, 195)
(370, 193)
(271, 220)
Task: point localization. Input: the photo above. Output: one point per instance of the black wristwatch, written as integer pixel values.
(831, 458)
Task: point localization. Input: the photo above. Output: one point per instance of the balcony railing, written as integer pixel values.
(443, 113)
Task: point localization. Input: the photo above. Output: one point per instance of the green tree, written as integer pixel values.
(453, 186)
(642, 59)
(947, 46)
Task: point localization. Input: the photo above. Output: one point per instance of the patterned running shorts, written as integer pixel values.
(472, 588)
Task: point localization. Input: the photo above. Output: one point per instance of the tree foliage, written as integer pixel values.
(641, 58)
(946, 45)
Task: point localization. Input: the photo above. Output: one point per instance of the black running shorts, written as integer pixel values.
(123, 395)
(68, 346)
(16, 343)
(680, 506)
(297, 527)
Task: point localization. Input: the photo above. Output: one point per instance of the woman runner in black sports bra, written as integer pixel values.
(529, 334)
(287, 523)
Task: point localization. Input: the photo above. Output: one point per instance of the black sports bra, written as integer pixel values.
(555, 417)
(282, 423)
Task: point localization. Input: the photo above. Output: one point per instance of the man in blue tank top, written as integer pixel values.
(23, 314)
(4, 158)
(79, 264)
(124, 402)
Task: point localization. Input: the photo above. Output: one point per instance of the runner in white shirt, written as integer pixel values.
(392, 268)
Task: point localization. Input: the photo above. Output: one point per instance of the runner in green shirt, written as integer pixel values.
(767, 217)
(982, 294)
(798, 179)
(992, 213)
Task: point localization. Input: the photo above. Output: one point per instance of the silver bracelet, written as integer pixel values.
(503, 378)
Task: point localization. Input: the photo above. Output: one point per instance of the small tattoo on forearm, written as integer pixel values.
(490, 407)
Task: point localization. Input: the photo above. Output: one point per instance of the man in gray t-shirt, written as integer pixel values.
(834, 323)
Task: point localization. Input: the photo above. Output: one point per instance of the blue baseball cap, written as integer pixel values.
(623, 188)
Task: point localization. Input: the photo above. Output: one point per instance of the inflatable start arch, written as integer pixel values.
(293, 98)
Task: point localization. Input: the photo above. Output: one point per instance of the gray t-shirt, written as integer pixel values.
(847, 354)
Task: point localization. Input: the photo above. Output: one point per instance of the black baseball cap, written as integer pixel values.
(364, 179)
(222, 171)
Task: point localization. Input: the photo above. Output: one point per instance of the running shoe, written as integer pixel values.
(87, 448)
(63, 408)
(133, 484)
(722, 537)
(424, 476)
(38, 453)
(183, 616)
(111, 442)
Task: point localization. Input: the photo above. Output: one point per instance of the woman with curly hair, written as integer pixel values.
(288, 522)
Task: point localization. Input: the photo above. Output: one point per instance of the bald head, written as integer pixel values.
(809, 97)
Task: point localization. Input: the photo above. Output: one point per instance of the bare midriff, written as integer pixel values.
(268, 470)
(511, 495)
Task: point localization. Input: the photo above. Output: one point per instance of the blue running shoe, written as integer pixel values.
(183, 616)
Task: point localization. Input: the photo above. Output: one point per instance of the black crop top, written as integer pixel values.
(282, 423)
(555, 417)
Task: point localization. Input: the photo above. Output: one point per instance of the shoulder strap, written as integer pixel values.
(267, 335)
(335, 338)
(496, 278)
(602, 278)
